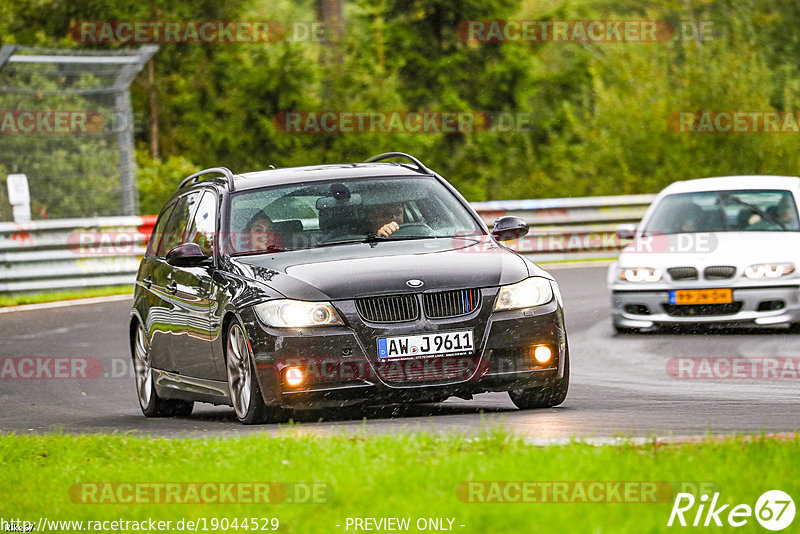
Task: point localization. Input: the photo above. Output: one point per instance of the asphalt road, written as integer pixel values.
(620, 385)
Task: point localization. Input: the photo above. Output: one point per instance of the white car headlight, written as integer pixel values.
(769, 270)
(526, 294)
(285, 313)
(639, 274)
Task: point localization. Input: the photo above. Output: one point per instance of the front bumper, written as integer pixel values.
(752, 306)
(342, 367)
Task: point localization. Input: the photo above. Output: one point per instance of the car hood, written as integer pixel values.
(362, 269)
(714, 248)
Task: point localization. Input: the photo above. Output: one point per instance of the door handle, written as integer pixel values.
(148, 282)
(172, 287)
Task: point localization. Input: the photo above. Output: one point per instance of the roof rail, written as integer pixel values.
(221, 170)
(393, 155)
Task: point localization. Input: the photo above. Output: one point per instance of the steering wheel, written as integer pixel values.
(413, 229)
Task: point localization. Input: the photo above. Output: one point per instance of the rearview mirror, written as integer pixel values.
(508, 228)
(626, 231)
(326, 203)
(187, 255)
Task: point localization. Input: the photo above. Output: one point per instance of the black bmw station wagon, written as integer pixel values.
(332, 285)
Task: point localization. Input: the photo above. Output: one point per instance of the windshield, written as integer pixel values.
(309, 215)
(725, 211)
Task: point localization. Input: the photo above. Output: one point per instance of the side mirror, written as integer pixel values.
(626, 231)
(187, 255)
(508, 228)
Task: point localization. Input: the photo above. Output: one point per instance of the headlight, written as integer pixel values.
(640, 274)
(769, 270)
(286, 313)
(530, 292)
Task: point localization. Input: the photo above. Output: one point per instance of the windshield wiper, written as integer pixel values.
(373, 238)
(268, 250)
(755, 209)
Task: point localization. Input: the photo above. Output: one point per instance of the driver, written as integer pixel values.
(690, 217)
(260, 233)
(385, 219)
(786, 211)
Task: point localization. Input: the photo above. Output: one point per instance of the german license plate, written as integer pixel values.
(701, 296)
(450, 343)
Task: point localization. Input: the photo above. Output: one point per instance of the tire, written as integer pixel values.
(243, 385)
(151, 404)
(547, 396)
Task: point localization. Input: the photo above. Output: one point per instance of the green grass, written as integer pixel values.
(407, 475)
(54, 296)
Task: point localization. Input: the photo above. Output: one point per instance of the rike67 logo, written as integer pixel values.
(774, 510)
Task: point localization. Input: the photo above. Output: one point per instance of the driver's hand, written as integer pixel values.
(388, 229)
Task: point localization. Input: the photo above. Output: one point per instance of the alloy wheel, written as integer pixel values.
(239, 371)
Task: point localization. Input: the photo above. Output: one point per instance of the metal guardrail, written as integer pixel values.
(78, 253)
(56, 254)
(580, 228)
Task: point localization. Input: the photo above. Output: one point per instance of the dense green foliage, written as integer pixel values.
(596, 113)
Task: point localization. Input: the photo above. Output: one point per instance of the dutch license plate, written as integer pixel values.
(458, 343)
(701, 296)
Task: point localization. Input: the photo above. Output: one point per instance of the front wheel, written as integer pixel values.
(242, 382)
(547, 396)
(151, 404)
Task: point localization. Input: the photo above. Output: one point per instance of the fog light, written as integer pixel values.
(542, 354)
(294, 376)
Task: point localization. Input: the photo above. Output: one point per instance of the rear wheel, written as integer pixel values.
(547, 396)
(245, 392)
(151, 404)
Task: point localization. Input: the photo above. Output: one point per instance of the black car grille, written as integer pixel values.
(390, 309)
(682, 273)
(700, 310)
(402, 308)
(446, 304)
(719, 272)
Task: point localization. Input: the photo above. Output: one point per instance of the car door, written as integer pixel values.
(167, 320)
(153, 312)
(191, 291)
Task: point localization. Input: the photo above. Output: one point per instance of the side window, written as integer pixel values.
(158, 230)
(203, 225)
(178, 221)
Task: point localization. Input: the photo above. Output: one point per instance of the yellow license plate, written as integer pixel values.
(701, 296)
